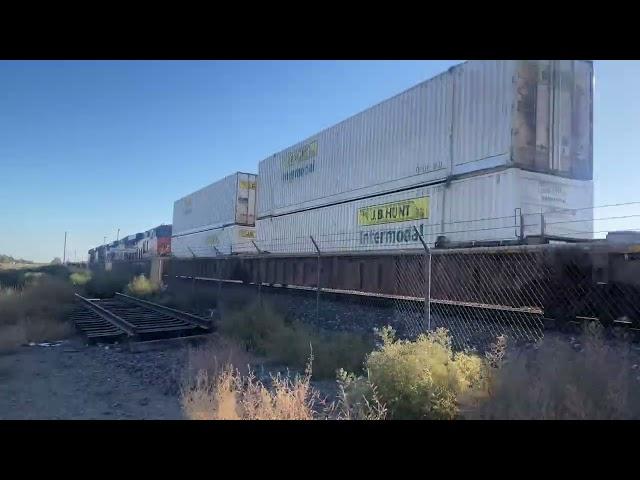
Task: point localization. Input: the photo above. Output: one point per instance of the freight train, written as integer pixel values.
(487, 152)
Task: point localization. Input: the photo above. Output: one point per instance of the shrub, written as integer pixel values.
(141, 286)
(594, 379)
(423, 379)
(264, 331)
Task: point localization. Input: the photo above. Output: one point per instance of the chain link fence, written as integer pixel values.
(475, 293)
(415, 283)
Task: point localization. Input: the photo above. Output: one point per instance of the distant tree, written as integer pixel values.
(10, 259)
(56, 261)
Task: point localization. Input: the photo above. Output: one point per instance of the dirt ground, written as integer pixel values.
(74, 381)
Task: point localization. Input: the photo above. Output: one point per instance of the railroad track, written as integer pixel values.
(128, 318)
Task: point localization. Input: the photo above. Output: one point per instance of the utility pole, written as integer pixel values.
(64, 252)
(118, 235)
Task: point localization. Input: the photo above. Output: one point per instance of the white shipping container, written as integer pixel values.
(477, 208)
(213, 242)
(229, 201)
(478, 115)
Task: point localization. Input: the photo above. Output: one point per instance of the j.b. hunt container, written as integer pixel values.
(503, 205)
(213, 242)
(479, 115)
(229, 201)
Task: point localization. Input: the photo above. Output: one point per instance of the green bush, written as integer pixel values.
(141, 286)
(424, 379)
(264, 331)
(80, 279)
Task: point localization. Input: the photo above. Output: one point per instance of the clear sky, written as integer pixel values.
(90, 147)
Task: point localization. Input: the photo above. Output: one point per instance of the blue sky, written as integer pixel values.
(90, 147)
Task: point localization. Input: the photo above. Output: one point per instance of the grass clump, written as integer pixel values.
(80, 279)
(105, 284)
(35, 312)
(212, 356)
(358, 399)
(141, 286)
(265, 331)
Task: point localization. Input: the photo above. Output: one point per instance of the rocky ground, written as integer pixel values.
(73, 381)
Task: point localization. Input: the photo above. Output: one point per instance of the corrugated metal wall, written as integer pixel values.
(478, 208)
(479, 115)
(210, 243)
(227, 201)
(483, 94)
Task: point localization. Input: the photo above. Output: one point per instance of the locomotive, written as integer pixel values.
(155, 242)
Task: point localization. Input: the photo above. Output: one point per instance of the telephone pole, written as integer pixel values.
(64, 252)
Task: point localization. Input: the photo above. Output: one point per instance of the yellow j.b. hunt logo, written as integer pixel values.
(299, 162)
(403, 211)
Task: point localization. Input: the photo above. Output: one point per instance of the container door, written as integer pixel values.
(552, 131)
(251, 206)
(242, 199)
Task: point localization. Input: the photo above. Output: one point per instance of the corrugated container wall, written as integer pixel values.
(210, 243)
(479, 115)
(229, 201)
(478, 208)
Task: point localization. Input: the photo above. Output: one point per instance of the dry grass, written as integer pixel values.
(35, 312)
(233, 396)
(596, 379)
(213, 389)
(214, 355)
(358, 399)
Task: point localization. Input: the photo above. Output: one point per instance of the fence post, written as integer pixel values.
(259, 279)
(318, 279)
(193, 274)
(427, 293)
(219, 281)
(218, 271)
